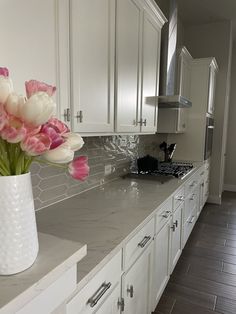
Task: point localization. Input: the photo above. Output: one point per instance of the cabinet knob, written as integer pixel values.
(140, 122)
(121, 304)
(176, 223)
(144, 122)
(173, 227)
(130, 291)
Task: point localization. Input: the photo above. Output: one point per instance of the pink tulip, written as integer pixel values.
(14, 131)
(79, 168)
(36, 144)
(3, 117)
(52, 133)
(4, 72)
(59, 126)
(34, 86)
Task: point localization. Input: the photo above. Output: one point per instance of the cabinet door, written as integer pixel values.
(111, 304)
(36, 44)
(161, 263)
(150, 73)
(176, 236)
(92, 64)
(136, 285)
(211, 90)
(128, 44)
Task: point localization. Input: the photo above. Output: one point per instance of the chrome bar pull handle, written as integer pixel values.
(192, 219)
(79, 116)
(140, 121)
(98, 294)
(176, 223)
(180, 198)
(145, 240)
(144, 122)
(130, 291)
(121, 304)
(66, 115)
(173, 227)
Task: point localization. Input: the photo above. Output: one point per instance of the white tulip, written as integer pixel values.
(38, 109)
(60, 155)
(74, 140)
(6, 88)
(14, 104)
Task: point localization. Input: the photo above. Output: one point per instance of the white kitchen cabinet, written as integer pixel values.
(54, 295)
(211, 88)
(176, 236)
(191, 144)
(161, 272)
(136, 284)
(37, 47)
(92, 65)
(137, 66)
(95, 293)
(175, 120)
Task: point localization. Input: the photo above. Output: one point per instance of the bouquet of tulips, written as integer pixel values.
(28, 130)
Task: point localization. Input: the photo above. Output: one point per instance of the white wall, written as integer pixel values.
(215, 40)
(230, 168)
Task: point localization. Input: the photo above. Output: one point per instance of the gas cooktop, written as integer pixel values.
(169, 169)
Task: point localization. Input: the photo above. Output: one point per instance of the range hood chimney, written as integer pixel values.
(169, 97)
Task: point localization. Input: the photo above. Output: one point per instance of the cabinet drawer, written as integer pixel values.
(191, 184)
(178, 198)
(53, 296)
(138, 243)
(163, 215)
(190, 204)
(95, 292)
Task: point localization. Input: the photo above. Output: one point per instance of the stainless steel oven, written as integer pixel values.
(208, 137)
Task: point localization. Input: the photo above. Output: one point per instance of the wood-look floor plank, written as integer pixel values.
(218, 248)
(194, 238)
(209, 253)
(202, 261)
(196, 297)
(229, 268)
(226, 306)
(213, 275)
(230, 243)
(165, 305)
(205, 285)
(185, 307)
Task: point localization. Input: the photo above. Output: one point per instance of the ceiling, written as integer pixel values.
(207, 11)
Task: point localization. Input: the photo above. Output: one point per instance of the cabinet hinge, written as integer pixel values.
(121, 304)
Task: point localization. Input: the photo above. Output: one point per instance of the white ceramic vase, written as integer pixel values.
(18, 231)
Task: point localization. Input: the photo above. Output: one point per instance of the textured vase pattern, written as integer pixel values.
(18, 232)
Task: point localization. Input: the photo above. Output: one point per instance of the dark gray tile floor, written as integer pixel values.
(204, 280)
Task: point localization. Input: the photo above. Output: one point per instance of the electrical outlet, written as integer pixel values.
(107, 169)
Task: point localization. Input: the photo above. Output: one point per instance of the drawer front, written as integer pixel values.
(138, 243)
(191, 184)
(53, 296)
(163, 215)
(188, 226)
(191, 203)
(96, 291)
(178, 199)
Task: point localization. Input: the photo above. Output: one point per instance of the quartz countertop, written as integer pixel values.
(55, 257)
(105, 217)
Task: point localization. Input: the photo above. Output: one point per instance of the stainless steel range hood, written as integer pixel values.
(169, 89)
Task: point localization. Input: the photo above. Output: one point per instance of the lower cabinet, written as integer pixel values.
(160, 275)
(176, 227)
(136, 284)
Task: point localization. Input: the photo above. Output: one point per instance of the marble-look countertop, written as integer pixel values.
(56, 256)
(106, 217)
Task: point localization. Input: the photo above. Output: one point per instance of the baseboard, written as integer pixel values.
(230, 187)
(214, 199)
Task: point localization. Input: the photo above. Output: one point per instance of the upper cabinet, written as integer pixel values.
(103, 56)
(34, 36)
(213, 68)
(137, 65)
(175, 120)
(92, 65)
